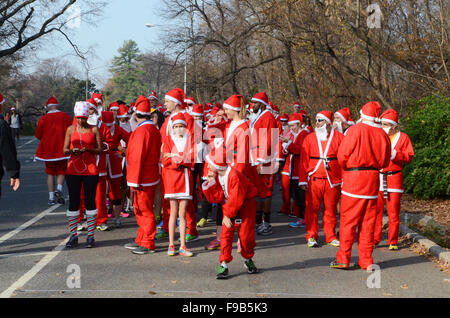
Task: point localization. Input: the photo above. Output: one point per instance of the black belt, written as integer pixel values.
(361, 169)
(314, 178)
(237, 219)
(385, 174)
(326, 158)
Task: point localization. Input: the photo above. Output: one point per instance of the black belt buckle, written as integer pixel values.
(325, 160)
(238, 221)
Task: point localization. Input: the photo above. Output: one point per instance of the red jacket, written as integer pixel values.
(262, 129)
(310, 165)
(113, 157)
(51, 131)
(292, 151)
(143, 155)
(365, 146)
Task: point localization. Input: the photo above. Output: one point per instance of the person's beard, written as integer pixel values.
(322, 132)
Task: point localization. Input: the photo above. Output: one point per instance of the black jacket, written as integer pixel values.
(8, 152)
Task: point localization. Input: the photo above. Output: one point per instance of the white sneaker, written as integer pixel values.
(334, 243)
(312, 242)
(266, 229)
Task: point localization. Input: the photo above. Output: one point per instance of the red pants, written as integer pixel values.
(246, 234)
(56, 168)
(143, 209)
(357, 214)
(393, 208)
(263, 182)
(319, 190)
(100, 201)
(115, 192)
(288, 206)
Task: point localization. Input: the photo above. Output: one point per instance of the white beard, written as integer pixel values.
(93, 120)
(386, 130)
(338, 127)
(322, 133)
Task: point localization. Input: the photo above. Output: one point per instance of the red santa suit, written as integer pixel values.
(391, 181)
(51, 131)
(363, 152)
(237, 196)
(290, 173)
(320, 171)
(263, 150)
(143, 155)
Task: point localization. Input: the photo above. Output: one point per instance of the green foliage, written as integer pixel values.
(428, 126)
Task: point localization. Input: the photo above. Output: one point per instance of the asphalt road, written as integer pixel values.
(34, 262)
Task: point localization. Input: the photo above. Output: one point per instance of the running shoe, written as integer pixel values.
(90, 242)
(214, 245)
(297, 224)
(266, 229)
(82, 226)
(103, 227)
(312, 242)
(131, 246)
(334, 243)
(184, 251)
(171, 250)
(124, 214)
(250, 266)
(161, 234)
(222, 272)
(52, 202)
(73, 241)
(159, 225)
(59, 197)
(142, 250)
(393, 247)
(191, 238)
(335, 264)
(202, 222)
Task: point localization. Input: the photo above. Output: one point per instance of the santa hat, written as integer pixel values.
(2, 99)
(113, 106)
(270, 106)
(81, 110)
(178, 119)
(234, 103)
(217, 158)
(276, 109)
(176, 95)
(153, 96)
(207, 108)
(371, 111)
(214, 111)
(98, 98)
(52, 102)
(344, 114)
(296, 104)
(284, 117)
(262, 98)
(390, 116)
(132, 108)
(92, 103)
(143, 106)
(295, 119)
(107, 118)
(190, 101)
(122, 112)
(197, 110)
(219, 105)
(327, 115)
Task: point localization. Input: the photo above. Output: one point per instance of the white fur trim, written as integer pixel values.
(237, 109)
(389, 121)
(323, 117)
(260, 100)
(173, 99)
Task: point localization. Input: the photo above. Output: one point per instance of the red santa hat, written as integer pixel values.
(2, 99)
(207, 108)
(81, 110)
(371, 111)
(197, 110)
(327, 115)
(98, 98)
(261, 98)
(214, 111)
(143, 106)
(270, 106)
(390, 116)
(190, 101)
(295, 119)
(52, 102)
(123, 111)
(113, 106)
(276, 109)
(92, 103)
(153, 96)
(233, 102)
(284, 118)
(296, 104)
(107, 118)
(176, 95)
(178, 119)
(219, 105)
(217, 158)
(345, 115)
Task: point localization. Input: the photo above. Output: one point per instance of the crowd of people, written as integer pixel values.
(173, 161)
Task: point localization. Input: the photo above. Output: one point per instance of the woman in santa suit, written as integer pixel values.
(391, 178)
(114, 158)
(237, 194)
(143, 155)
(177, 161)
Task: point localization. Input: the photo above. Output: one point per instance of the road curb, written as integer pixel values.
(434, 249)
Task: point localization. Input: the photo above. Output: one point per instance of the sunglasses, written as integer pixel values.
(319, 120)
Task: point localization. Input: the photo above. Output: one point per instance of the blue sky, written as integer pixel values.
(122, 20)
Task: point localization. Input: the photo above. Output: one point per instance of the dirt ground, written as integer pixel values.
(438, 209)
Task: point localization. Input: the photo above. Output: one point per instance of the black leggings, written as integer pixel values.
(90, 187)
(298, 195)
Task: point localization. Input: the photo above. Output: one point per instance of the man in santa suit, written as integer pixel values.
(230, 187)
(143, 155)
(320, 177)
(51, 131)
(114, 158)
(153, 100)
(190, 102)
(364, 151)
(296, 106)
(174, 102)
(291, 147)
(342, 120)
(264, 145)
(391, 178)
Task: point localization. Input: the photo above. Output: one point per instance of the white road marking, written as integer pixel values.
(27, 224)
(28, 142)
(36, 269)
(3, 256)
